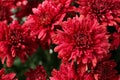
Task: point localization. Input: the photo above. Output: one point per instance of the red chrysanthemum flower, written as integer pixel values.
(14, 41)
(103, 10)
(82, 40)
(9, 76)
(66, 72)
(38, 74)
(46, 15)
(105, 71)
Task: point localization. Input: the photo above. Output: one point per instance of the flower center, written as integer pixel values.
(15, 38)
(82, 40)
(45, 19)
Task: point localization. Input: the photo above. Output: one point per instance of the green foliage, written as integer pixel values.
(40, 57)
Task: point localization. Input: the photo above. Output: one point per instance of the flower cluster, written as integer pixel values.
(84, 32)
(106, 12)
(103, 71)
(87, 38)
